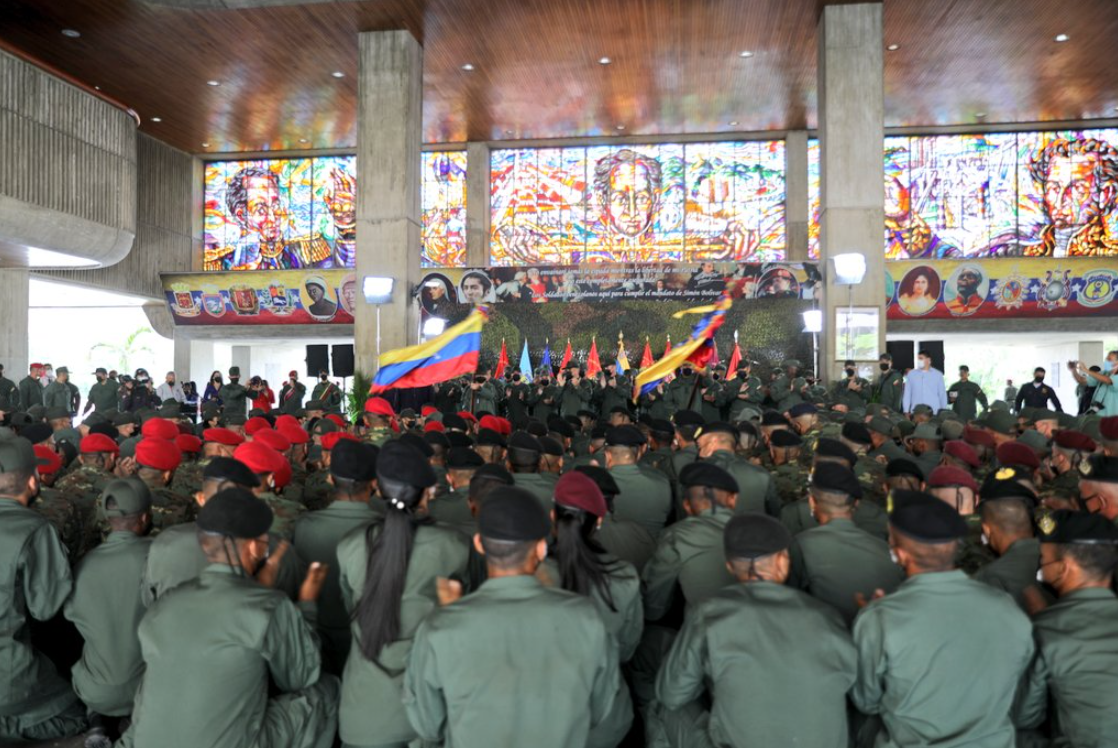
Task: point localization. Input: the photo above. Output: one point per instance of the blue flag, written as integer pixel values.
(525, 363)
(546, 361)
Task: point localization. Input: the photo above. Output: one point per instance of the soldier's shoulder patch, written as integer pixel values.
(1046, 524)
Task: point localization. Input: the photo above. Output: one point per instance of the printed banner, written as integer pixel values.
(278, 297)
(1003, 288)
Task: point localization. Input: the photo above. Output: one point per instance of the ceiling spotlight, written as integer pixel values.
(735, 123)
(72, 33)
(746, 53)
(338, 74)
(468, 67)
(1062, 37)
(508, 132)
(156, 119)
(621, 127)
(303, 140)
(980, 115)
(205, 145)
(213, 83)
(893, 47)
(96, 88)
(604, 60)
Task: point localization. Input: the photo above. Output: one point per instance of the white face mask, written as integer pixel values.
(894, 557)
(1040, 575)
(985, 540)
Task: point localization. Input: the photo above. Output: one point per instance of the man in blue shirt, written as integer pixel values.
(924, 386)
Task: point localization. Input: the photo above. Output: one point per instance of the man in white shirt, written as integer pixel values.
(170, 389)
(924, 386)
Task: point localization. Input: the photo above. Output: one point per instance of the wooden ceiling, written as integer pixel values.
(676, 66)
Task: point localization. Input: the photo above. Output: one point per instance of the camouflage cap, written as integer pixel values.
(127, 495)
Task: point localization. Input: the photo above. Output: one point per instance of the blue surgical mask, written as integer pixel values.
(1108, 365)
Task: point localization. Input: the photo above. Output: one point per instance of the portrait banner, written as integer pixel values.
(279, 297)
(1001, 288)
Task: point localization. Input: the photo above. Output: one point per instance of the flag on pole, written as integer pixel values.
(525, 363)
(451, 354)
(593, 364)
(622, 364)
(646, 357)
(566, 356)
(714, 360)
(502, 362)
(667, 347)
(697, 350)
(735, 358)
(545, 362)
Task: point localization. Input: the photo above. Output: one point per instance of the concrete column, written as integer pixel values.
(182, 357)
(851, 130)
(796, 210)
(477, 204)
(242, 357)
(389, 122)
(14, 300)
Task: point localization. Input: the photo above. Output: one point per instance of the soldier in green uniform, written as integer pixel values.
(682, 393)
(486, 694)
(957, 489)
(889, 388)
(924, 443)
(31, 389)
(881, 433)
(837, 562)
(156, 460)
(35, 703)
(82, 486)
(661, 435)
(266, 463)
(57, 508)
(453, 507)
(1076, 665)
(789, 476)
(326, 393)
(655, 402)
(543, 398)
(851, 390)
(480, 395)
(211, 649)
(524, 463)
(9, 391)
(216, 442)
(1006, 511)
(102, 395)
(57, 393)
(965, 396)
(782, 391)
(292, 394)
(575, 393)
(929, 683)
(233, 394)
(106, 607)
(615, 390)
(517, 392)
(717, 444)
(1069, 449)
(379, 418)
(742, 391)
(645, 492)
(743, 630)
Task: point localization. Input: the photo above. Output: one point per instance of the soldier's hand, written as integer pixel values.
(861, 600)
(269, 572)
(448, 590)
(312, 584)
(125, 467)
(1034, 600)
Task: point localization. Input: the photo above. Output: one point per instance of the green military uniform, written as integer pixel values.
(329, 395)
(852, 399)
(210, 650)
(188, 476)
(928, 461)
(661, 459)
(486, 694)
(871, 476)
(617, 395)
(973, 554)
(169, 509)
(35, 703)
(452, 508)
(378, 436)
(9, 391)
(30, 393)
(965, 397)
(1014, 571)
(727, 643)
(544, 401)
(656, 405)
(627, 540)
(517, 402)
(790, 481)
(645, 497)
(1063, 486)
(931, 683)
(103, 396)
(57, 395)
(68, 521)
(233, 396)
(317, 490)
(1077, 664)
(370, 712)
(756, 488)
(106, 608)
(688, 554)
(868, 516)
(683, 457)
(291, 398)
(573, 398)
(624, 617)
(284, 511)
(836, 561)
(83, 488)
(707, 403)
(484, 398)
(316, 539)
(682, 393)
(542, 486)
(737, 394)
(890, 450)
(889, 390)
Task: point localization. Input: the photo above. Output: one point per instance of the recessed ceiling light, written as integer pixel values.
(213, 83)
(735, 123)
(1062, 37)
(72, 33)
(893, 47)
(156, 119)
(621, 127)
(468, 67)
(508, 132)
(746, 53)
(338, 74)
(303, 140)
(980, 115)
(205, 145)
(604, 60)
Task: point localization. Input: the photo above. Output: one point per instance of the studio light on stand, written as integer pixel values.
(813, 323)
(849, 269)
(433, 327)
(377, 291)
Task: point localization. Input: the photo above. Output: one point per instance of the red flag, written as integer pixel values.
(502, 362)
(593, 365)
(668, 346)
(735, 360)
(646, 357)
(714, 360)
(566, 356)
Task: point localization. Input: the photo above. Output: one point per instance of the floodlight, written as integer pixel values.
(434, 327)
(813, 320)
(377, 290)
(850, 268)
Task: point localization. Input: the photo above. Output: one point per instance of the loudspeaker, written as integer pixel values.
(935, 350)
(318, 359)
(903, 353)
(342, 356)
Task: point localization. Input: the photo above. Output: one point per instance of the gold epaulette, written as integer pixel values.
(309, 249)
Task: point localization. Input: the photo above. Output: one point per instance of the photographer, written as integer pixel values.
(1101, 384)
(576, 392)
(136, 393)
(480, 395)
(517, 392)
(614, 390)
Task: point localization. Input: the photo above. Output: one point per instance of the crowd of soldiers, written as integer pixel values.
(723, 562)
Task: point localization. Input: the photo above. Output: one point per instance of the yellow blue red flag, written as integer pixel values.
(451, 354)
(697, 349)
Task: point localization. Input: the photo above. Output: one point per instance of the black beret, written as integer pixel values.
(419, 444)
(754, 535)
(560, 426)
(625, 436)
(535, 428)
(830, 476)
(37, 433)
(525, 441)
(645, 419)
(587, 414)
(228, 469)
(437, 439)
(924, 518)
(621, 409)
(602, 477)
(662, 427)
(598, 432)
(454, 421)
(463, 458)
(1003, 484)
(551, 446)
(235, 512)
(826, 447)
(458, 439)
(1099, 468)
(903, 466)
(785, 438)
(707, 474)
(354, 460)
(750, 428)
(493, 471)
(513, 514)
(1076, 528)
(718, 427)
(857, 433)
(688, 418)
(107, 429)
(401, 462)
(802, 409)
(773, 418)
(490, 438)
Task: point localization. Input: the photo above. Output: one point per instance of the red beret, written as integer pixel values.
(1108, 428)
(506, 426)
(490, 422)
(329, 441)
(188, 443)
(468, 416)
(294, 433)
(292, 373)
(283, 475)
(50, 462)
(379, 406)
(1016, 453)
(161, 454)
(427, 410)
(256, 423)
(336, 419)
(960, 450)
(951, 476)
(978, 437)
(1074, 440)
(99, 443)
(273, 439)
(223, 436)
(578, 491)
(285, 418)
(160, 428)
(258, 458)
(434, 426)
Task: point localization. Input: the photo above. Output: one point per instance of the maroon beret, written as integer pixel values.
(978, 437)
(1016, 453)
(951, 476)
(1108, 428)
(578, 491)
(960, 450)
(1074, 440)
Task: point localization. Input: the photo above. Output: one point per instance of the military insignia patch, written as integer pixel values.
(1056, 290)
(1098, 289)
(889, 503)
(1085, 467)
(1047, 524)
(1005, 474)
(1009, 292)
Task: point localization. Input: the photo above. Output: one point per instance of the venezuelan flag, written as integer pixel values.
(453, 353)
(698, 349)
